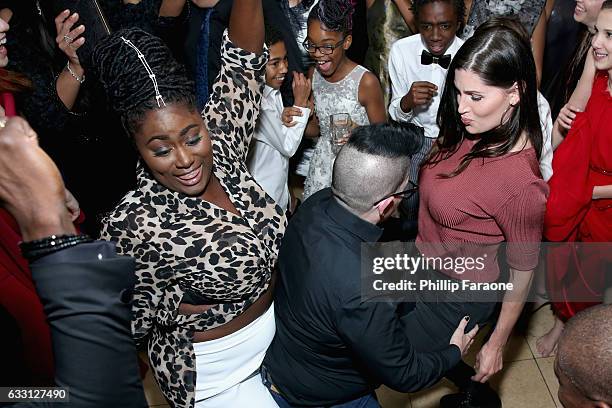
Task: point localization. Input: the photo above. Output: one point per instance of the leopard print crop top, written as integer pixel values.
(187, 245)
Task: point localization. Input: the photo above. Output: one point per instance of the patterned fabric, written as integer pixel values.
(527, 11)
(185, 245)
(385, 26)
(331, 98)
(298, 17)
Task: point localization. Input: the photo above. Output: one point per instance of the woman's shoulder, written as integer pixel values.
(367, 79)
(515, 171)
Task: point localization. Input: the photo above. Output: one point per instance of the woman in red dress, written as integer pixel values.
(579, 208)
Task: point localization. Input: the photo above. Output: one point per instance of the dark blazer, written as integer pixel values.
(85, 293)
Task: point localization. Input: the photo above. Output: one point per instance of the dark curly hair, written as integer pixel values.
(458, 5)
(335, 15)
(128, 87)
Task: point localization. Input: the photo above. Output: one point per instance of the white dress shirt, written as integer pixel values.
(547, 126)
(273, 145)
(405, 68)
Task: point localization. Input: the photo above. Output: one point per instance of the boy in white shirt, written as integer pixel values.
(273, 143)
(417, 68)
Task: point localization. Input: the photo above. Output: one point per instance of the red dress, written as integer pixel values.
(582, 161)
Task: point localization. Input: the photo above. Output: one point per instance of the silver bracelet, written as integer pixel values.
(81, 79)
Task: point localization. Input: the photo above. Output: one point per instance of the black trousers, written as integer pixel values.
(430, 323)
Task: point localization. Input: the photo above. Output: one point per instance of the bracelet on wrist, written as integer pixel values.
(80, 79)
(33, 250)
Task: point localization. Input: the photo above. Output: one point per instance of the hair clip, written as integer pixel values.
(158, 96)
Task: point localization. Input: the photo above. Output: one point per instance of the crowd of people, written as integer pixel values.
(231, 158)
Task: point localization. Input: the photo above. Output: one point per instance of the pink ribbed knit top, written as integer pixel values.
(493, 200)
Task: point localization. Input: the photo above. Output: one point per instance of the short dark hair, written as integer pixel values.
(374, 163)
(273, 35)
(335, 15)
(127, 84)
(386, 140)
(458, 5)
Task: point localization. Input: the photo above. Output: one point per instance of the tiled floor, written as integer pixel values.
(527, 380)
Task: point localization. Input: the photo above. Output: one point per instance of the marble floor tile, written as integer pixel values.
(539, 324)
(521, 385)
(392, 399)
(546, 366)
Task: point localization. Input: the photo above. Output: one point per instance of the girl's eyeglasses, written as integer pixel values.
(326, 49)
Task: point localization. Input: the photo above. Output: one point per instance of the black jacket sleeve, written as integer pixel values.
(375, 335)
(83, 290)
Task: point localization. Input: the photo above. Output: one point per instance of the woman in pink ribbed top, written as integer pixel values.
(481, 186)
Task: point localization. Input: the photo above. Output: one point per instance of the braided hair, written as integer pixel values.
(129, 89)
(334, 15)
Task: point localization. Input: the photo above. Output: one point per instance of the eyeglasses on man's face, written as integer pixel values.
(326, 49)
(405, 194)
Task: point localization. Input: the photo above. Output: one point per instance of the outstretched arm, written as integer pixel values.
(246, 27)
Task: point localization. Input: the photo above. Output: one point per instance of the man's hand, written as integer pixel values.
(420, 93)
(489, 361)
(462, 339)
(31, 187)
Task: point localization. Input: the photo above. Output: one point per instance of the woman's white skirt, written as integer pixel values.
(225, 367)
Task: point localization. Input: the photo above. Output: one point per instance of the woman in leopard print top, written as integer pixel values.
(204, 235)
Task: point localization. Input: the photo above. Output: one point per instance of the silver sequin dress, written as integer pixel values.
(331, 98)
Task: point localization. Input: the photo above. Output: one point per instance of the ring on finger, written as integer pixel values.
(68, 39)
(2, 122)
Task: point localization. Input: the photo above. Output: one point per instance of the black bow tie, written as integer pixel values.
(427, 58)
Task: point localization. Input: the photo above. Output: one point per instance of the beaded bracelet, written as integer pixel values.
(80, 79)
(33, 250)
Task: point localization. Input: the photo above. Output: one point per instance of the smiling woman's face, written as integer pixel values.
(175, 145)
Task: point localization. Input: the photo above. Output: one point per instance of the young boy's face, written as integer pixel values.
(276, 69)
(438, 24)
